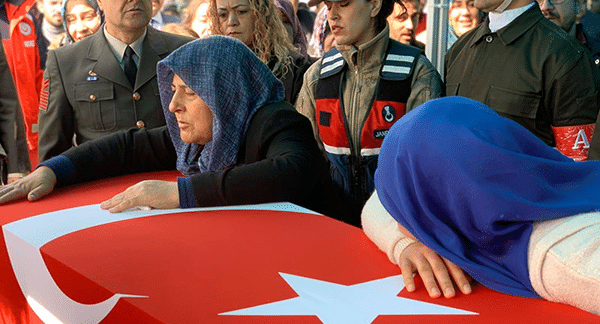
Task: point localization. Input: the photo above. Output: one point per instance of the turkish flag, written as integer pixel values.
(274, 263)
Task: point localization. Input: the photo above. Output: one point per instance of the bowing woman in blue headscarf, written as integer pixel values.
(228, 131)
(459, 188)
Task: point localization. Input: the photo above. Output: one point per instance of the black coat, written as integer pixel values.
(278, 161)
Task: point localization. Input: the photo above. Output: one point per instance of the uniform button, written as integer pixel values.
(597, 61)
(489, 38)
(140, 124)
(92, 97)
(136, 96)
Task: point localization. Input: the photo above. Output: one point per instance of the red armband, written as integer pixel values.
(574, 141)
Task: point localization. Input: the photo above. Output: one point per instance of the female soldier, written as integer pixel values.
(356, 92)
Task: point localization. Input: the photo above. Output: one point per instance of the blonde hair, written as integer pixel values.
(270, 36)
(189, 14)
(179, 29)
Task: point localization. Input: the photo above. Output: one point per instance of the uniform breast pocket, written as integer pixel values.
(514, 103)
(96, 106)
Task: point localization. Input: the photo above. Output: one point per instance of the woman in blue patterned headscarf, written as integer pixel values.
(259, 148)
(228, 131)
(234, 86)
(491, 198)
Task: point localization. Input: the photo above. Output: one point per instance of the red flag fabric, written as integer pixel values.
(271, 264)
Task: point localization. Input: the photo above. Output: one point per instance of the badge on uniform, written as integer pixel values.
(44, 94)
(25, 28)
(92, 76)
(389, 113)
(380, 133)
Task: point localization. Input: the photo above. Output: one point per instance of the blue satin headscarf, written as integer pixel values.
(468, 183)
(234, 84)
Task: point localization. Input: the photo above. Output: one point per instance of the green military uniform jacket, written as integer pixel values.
(530, 71)
(89, 96)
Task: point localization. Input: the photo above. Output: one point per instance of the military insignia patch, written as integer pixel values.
(44, 94)
(25, 28)
(388, 113)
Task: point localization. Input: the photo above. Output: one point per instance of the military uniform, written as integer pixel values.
(342, 96)
(85, 92)
(532, 72)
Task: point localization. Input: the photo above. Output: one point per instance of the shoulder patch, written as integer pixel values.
(400, 61)
(44, 94)
(332, 63)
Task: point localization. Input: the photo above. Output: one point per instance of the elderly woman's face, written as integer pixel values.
(194, 118)
(236, 19)
(82, 20)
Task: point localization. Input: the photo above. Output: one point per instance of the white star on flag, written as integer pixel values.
(355, 304)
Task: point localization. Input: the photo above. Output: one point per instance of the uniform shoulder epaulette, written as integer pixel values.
(332, 63)
(400, 61)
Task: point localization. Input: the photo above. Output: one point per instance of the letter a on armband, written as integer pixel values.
(574, 141)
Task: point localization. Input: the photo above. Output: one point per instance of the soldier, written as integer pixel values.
(527, 69)
(113, 86)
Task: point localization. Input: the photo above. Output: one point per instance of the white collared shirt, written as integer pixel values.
(501, 20)
(118, 47)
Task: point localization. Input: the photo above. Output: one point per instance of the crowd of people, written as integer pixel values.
(332, 105)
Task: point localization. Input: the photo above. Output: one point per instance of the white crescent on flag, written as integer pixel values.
(25, 237)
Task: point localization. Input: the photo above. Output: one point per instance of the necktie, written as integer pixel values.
(129, 66)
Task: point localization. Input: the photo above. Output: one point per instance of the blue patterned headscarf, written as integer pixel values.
(234, 84)
(469, 183)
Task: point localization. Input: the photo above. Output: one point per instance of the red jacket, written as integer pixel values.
(23, 56)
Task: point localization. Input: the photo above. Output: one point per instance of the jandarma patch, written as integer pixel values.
(380, 133)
